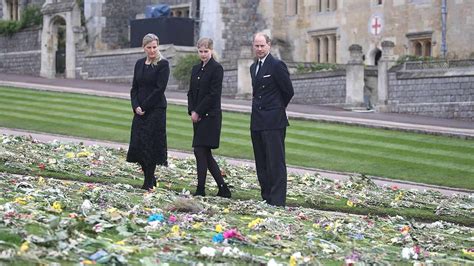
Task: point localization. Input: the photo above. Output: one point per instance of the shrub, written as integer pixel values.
(31, 16)
(182, 69)
(406, 58)
(9, 27)
(314, 67)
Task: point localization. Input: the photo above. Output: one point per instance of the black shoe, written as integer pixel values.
(200, 191)
(224, 191)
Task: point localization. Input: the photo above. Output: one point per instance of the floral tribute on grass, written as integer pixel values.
(44, 220)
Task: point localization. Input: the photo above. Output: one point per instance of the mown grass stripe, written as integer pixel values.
(66, 103)
(386, 135)
(370, 153)
(64, 95)
(409, 138)
(78, 118)
(68, 128)
(366, 164)
(99, 113)
(404, 150)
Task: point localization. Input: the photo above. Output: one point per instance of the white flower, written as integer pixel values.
(407, 253)
(297, 255)
(208, 251)
(272, 262)
(86, 206)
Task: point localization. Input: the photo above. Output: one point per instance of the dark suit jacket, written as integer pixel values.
(204, 98)
(148, 91)
(272, 91)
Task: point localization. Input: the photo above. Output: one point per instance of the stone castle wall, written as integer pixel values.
(435, 93)
(325, 88)
(21, 52)
(241, 20)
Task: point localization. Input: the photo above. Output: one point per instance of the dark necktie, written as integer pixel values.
(258, 67)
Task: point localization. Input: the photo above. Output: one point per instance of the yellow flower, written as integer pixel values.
(25, 246)
(226, 210)
(197, 225)
(88, 262)
(316, 226)
(41, 181)
(399, 196)
(293, 261)
(84, 154)
(57, 206)
(70, 155)
(254, 237)
(218, 228)
(112, 210)
(20, 200)
(121, 242)
(254, 223)
(175, 229)
(350, 203)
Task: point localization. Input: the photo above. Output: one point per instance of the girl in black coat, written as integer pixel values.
(148, 136)
(204, 107)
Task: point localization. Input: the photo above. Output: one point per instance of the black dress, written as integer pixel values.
(148, 135)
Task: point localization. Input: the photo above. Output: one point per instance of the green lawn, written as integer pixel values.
(400, 155)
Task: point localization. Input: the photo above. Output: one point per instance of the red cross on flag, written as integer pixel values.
(375, 24)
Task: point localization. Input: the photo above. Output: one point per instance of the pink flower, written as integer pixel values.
(231, 233)
(172, 219)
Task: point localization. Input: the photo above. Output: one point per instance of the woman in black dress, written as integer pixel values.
(204, 107)
(148, 136)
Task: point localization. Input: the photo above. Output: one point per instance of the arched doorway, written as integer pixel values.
(375, 56)
(59, 40)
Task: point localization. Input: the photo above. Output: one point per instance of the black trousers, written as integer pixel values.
(205, 161)
(269, 152)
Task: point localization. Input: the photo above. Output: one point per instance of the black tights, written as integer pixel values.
(149, 172)
(205, 161)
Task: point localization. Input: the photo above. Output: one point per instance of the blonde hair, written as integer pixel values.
(150, 37)
(207, 43)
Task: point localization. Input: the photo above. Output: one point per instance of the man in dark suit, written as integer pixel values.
(272, 91)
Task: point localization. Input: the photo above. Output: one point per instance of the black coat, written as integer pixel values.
(272, 91)
(148, 91)
(148, 135)
(204, 98)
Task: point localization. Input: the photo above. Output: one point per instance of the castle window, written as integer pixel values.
(326, 5)
(180, 11)
(324, 46)
(291, 7)
(11, 10)
(420, 43)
